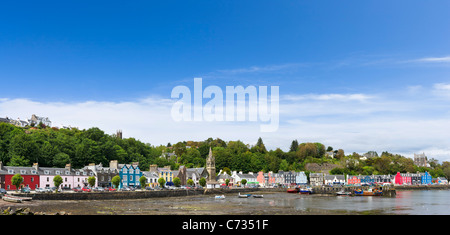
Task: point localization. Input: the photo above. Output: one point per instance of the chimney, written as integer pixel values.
(68, 167)
(1, 165)
(114, 164)
(35, 166)
(153, 168)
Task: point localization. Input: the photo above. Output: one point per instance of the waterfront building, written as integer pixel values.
(223, 177)
(270, 181)
(426, 178)
(30, 176)
(129, 174)
(334, 179)
(261, 178)
(250, 178)
(195, 174)
(353, 180)
(366, 179)
(103, 174)
(289, 177)
(71, 177)
(152, 178)
(316, 179)
(382, 179)
(301, 178)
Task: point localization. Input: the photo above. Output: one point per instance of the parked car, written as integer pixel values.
(25, 190)
(2, 191)
(77, 189)
(40, 190)
(110, 189)
(48, 189)
(98, 189)
(86, 189)
(125, 188)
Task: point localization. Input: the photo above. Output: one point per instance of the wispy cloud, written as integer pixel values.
(328, 97)
(263, 69)
(444, 59)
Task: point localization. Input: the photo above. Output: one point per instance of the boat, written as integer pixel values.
(219, 197)
(292, 190)
(258, 196)
(369, 192)
(305, 190)
(10, 198)
(343, 193)
(244, 195)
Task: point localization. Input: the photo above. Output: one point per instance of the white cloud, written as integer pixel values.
(444, 59)
(353, 122)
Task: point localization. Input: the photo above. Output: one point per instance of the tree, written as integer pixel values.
(61, 159)
(91, 181)
(16, 180)
(294, 146)
(176, 182)
(57, 181)
(190, 182)
(202, 182)
(161, 182)
(116, 181)
(143, 181)
(227, 181)
(243, 182)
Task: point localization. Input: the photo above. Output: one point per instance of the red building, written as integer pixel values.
(30, 176)
(398, 178)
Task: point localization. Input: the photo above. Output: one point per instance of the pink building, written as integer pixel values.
(72, 178)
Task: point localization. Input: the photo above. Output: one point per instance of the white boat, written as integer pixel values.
(343, 193)
(9, 198)
(244, 195)
(219, 197)
(258, 196)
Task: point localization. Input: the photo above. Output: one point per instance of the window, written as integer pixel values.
(131, 178)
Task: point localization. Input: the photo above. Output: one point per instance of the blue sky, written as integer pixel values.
(361, 64)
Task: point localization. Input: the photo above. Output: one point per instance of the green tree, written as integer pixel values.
(244, 182)
(116, 181)
(91, 181)
(202, 182)
(143, 181)
(61, 159)
(294, 146)
(57, 181)
(161, 182)
(190, 182)
(176, 182)
(16, 180)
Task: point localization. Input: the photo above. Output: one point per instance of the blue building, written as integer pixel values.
(129, 174)
(426, 178)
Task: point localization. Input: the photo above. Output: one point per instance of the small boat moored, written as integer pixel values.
(219, 197)
(292, 190)
(244, 195)
(258, 196)
(305, 190)
(9, 198)
(343, 193)
(369, 192)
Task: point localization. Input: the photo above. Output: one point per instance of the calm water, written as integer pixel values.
(418, 202)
